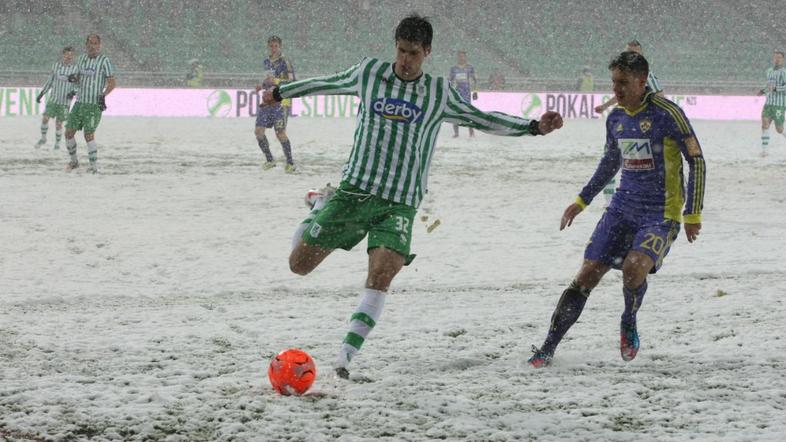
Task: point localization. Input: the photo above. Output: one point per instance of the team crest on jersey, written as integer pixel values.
(645, 125)
(397, 110)
(636, 153)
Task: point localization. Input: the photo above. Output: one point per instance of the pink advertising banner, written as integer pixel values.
(235, 103)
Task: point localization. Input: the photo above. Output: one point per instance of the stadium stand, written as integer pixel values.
(696, 44)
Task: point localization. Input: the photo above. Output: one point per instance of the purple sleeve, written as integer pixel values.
(607, 168)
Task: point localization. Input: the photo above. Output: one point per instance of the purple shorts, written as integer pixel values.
(272, 116)
(618, 233)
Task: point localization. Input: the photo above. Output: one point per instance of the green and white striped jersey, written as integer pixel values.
(93, 73)
(777, 79)
(397, 126)
(653, 83)
(58, 85)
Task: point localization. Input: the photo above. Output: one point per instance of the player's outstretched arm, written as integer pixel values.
(458, 111)
(46, 87)
(600, 109)
(343, 83)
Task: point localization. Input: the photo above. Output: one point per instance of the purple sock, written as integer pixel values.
(264, 146)
(568, 310)
(633, 300)
(287, 148)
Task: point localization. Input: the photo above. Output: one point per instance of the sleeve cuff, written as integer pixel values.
(534, 127)
(277, 94)
(693, 218)
(581, 202)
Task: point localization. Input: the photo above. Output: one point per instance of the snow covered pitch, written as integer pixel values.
(146, 302)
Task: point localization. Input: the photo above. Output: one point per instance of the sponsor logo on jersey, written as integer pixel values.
(645, 125)
(620, 128)
(90, 72)
(397, 110)
(636, 154)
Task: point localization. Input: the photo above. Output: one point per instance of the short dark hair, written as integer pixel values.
(274, 38)
(416, 29)
(634, 43)
(68, 49)
(780, 52)
(632, 62)
(93, 35)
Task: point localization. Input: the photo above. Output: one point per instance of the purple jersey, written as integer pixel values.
(280, 69)
(462, 78)
(649, 145)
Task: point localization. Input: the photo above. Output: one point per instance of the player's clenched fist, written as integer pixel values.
(549, 122)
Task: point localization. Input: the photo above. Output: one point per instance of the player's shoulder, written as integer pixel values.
(663, 104)
(671, 111)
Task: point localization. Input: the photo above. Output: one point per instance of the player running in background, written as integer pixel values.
(652, 84)
(462, 77)
(386, 176)
(279, 71)
(95, 79)
(647, 136)
(775, 106)
(60, 93)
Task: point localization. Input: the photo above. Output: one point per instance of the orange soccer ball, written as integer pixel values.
(292, 372)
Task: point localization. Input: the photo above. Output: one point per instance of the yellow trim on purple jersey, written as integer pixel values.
(581, 202)
(649, 144)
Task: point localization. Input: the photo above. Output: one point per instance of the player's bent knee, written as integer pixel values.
(635, 269)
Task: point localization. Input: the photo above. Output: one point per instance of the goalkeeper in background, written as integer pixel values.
(60, 93)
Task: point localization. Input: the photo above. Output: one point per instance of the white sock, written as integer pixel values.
(44, 130)
(360, 325)
(58, 135)
(765, 137)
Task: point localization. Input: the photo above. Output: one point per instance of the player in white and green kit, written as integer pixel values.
(60, 93)
(95, 79)
(401, 112)
(775, 106)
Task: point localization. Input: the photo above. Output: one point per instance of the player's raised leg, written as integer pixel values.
(568, 310)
